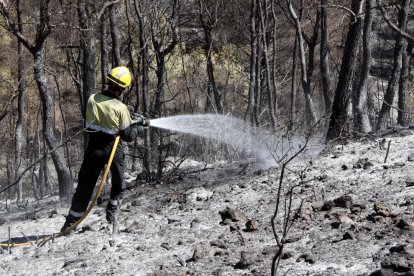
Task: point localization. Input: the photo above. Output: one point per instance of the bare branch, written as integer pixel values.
(12, 27)
(392, 25)
(105, 6)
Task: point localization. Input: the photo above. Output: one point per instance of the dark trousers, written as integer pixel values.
(95, 159)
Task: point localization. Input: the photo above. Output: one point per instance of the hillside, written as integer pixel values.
(357, 217)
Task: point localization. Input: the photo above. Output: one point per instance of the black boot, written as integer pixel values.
(111, 212)
(70, 220)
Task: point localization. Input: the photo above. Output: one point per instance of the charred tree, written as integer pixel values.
(37, 50)
(270, 81)
(306, 82)
(339, 120)
(116, 52)
(399, 48)
(324, 62)
(20, 124)
(209, 20)
(145, 63)
(362, 122)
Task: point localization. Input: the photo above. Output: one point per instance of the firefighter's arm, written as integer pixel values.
(131, 133)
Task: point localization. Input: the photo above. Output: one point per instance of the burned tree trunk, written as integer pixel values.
(362, 122)
(310, 106)
(324, 62)
(399, 49)
(37, 51)
(20, 124)
(339, 121)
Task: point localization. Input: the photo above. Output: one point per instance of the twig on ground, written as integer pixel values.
(31, 243)
(388, 150)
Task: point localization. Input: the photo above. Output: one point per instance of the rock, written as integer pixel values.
(397, 262)
(232, 214)
(306, 214)
(52, 214)
(397, 248)
(247, 259)
(344, 167)
(172, 220)
(356, 210)
(73, 262)
(270, 250)
(218, 272)
(252, 225)
(348, 236)
(194, 222)
(286, 255)
(409, 250)
(213, 252)
(219, 244)
(405, 224)
(383, 272)
(344, 201)
(409, 182)
(198, 194)
(327, 205)
(166, 246)
(344, 219)
(363, 163)
(317, 206)
(322, 178)
(293, 238)
(381, 210)
(198, 254)
(309, 258)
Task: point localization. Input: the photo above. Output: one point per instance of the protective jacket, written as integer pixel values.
(106, 117)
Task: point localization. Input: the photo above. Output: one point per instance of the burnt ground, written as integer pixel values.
(357, 218)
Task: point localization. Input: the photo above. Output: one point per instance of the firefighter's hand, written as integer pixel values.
(145, 122)
(140, 120)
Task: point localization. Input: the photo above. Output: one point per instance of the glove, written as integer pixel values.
(140, 120)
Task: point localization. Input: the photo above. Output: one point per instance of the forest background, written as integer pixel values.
(342, 67)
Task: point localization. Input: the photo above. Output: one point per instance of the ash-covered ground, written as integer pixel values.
(357, 218)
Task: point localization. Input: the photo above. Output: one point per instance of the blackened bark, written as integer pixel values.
(324, 62)
(104, 50)
(399, 49)
(116, 53)
(253, 60)
(64, 178)
(162, 50)
(403, 109)
(362, 122)
(208, 26)
(89, 50)
(144, 58)
(269, 81)
(310, 106)
(20, 124)
(339, 121)
(37, 50)
(293, 87)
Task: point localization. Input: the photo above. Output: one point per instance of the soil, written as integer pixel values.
(357, 218)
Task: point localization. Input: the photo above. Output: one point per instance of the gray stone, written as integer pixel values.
(252, 225)
(232, 214)
(396, 262)
(344, 201)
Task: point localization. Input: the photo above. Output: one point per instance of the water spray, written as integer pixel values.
(266, 147)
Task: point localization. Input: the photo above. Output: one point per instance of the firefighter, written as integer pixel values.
(106, 117)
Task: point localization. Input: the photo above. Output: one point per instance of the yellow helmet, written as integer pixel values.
(120, 76)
